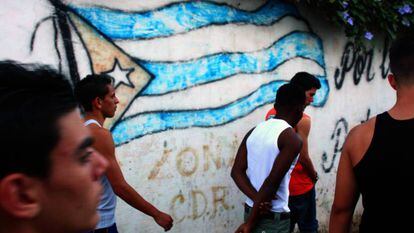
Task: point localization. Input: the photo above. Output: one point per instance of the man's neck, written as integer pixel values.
(404, 106)
(95, 116)
(286, 118)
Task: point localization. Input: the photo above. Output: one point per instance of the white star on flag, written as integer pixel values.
(120, 75)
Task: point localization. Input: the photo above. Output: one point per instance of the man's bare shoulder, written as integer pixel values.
(103, 141)
(304, 122)
(303, 127)
(359, 140)
(360, 131)
(291, 138)
(100, 133)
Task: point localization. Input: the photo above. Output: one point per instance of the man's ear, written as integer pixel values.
(391, 80)
(97, 103)
(20, 196)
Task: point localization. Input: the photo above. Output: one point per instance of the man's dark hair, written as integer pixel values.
(32, 100)
(306, 81)
(92, 86)
(289, 96)
(402, 59)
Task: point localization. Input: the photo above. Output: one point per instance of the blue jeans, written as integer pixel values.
(303, 212)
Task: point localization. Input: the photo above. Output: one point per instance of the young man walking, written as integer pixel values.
(97, 96)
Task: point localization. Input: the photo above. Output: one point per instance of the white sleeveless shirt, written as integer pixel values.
(92, 121)
(262, 150)
(107, 204)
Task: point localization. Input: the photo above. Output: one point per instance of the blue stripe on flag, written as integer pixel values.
(148, 123)
(152, 122)
(178, 18)
(175, 76)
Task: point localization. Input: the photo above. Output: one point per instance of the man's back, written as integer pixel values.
(264, 160)
(386, 164)
(376, 158)
(300, 181)
(302, 200)
(376, 162)
(262, 150)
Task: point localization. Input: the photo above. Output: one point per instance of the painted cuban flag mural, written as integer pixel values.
(165, 58)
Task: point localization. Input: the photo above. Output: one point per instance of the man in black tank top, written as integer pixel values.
(377, 158)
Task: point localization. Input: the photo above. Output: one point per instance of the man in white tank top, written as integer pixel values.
(264, 161)
(97, 96)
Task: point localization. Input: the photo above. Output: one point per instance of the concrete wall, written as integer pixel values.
(193, 78)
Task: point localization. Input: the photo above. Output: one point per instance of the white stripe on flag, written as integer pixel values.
(211, 40)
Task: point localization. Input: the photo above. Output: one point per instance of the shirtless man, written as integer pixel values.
(377, 158)
(97, 96)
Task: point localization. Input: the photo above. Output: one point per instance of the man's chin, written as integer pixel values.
(110, 115)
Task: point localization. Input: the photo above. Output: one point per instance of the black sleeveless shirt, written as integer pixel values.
(385, 177)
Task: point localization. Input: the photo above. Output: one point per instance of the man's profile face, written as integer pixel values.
(309, 95)
(109, 102)
(71, 192)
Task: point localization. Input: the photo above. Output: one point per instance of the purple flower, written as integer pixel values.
(345, 4)
(406, 9)
(405, 22)
(368, 35)
(345, 15)
(348, 18)
(350, 21)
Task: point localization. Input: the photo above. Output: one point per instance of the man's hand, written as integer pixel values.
(244, 228)
(164, 220)
(315, 177)
(265, 207)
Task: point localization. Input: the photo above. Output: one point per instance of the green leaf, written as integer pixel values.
(377, 16)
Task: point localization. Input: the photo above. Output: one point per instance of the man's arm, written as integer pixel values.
(238, 172)
(303, 129)
(105, 145)
(346, 192)
(289, 144)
